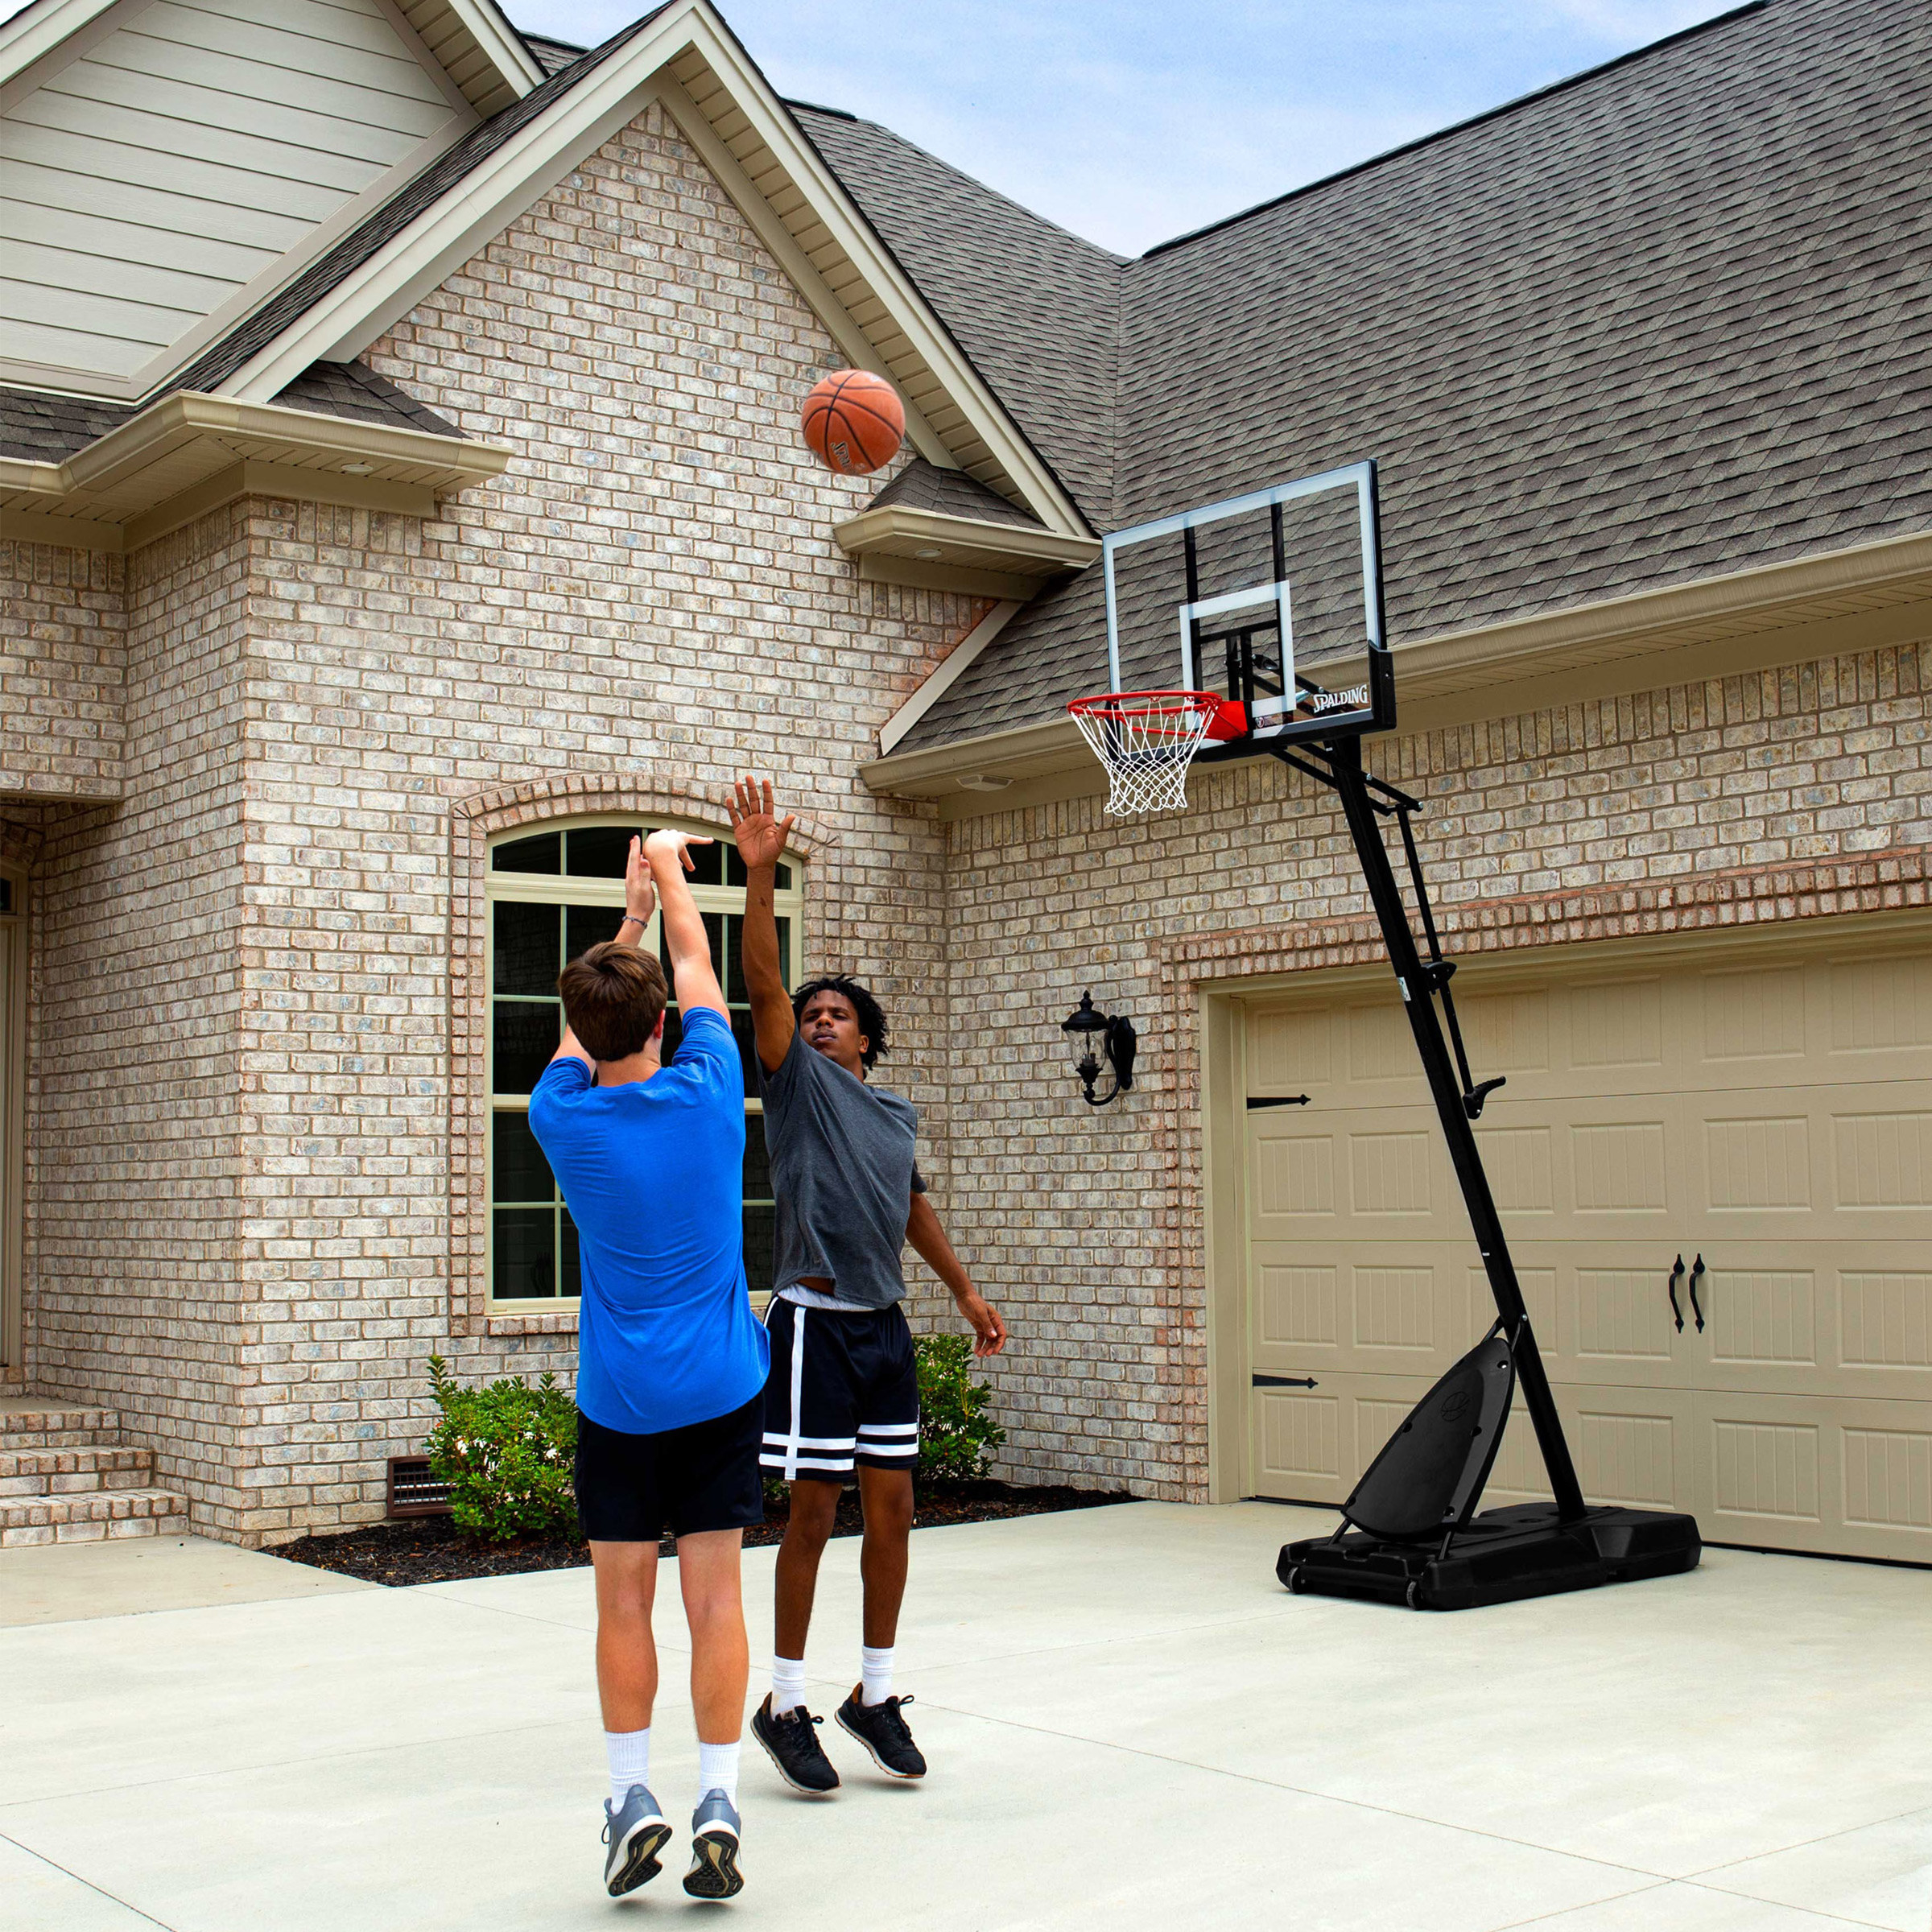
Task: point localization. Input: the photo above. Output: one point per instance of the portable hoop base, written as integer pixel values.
(1145, 740)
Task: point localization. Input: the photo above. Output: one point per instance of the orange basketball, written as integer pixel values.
(854, 422)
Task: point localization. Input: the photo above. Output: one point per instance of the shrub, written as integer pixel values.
(957, 1433)
(507, 1451)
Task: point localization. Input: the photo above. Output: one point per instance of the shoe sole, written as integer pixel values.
(905, 1778)
(641, 1863)
(715, 1874)
(778, 1765)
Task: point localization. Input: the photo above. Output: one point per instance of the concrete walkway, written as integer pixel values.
(1132, 1726)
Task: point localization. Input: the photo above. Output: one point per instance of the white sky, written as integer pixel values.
(1131, 121)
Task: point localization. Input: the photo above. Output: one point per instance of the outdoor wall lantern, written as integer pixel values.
(1093, 1037)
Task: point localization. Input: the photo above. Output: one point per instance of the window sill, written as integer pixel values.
(530, 1321)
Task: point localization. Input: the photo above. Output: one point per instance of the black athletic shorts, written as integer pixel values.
(844, 1388)
(632, 1489)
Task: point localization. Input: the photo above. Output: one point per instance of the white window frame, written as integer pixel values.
(559, 889)
(13, 1117)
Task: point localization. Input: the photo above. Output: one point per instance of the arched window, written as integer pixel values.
(552, 892)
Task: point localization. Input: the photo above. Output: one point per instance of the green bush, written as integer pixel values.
(508, 1452)
(957, 1433)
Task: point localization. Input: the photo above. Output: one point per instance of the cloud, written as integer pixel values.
(1131, 121)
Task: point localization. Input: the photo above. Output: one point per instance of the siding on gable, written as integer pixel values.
(177, 162)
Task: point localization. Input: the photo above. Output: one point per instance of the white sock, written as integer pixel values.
(629, 1754)
(875, 1673)
(717, 1771)
(787, 1684)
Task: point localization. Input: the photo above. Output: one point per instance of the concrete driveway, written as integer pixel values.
(1131, 1726)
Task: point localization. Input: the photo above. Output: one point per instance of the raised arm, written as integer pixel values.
(761, 835)
(691, 974)
(640, 902)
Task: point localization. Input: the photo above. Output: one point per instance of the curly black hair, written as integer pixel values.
(870, 1016)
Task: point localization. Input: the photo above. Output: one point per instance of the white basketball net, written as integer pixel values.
(1145, 740)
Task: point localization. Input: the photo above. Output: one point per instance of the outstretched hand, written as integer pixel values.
(668, 844)
(760, 833)
(640, 895)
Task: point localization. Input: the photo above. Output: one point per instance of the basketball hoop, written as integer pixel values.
(1145, 740)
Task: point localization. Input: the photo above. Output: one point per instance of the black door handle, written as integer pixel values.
(1695, 1272)
(1286, 1382)
(1671, 1289)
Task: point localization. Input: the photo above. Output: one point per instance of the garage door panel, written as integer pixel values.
(1375, 1308)
(1838, 1474)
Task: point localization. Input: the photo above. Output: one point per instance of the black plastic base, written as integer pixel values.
(1503, 1555)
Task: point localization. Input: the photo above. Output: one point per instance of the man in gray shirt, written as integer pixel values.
(843, 1397)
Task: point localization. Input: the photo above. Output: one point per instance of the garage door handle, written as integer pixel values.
(1696, 1308)
(1286, 1382)
(1283, 1100)
(1677, 1274)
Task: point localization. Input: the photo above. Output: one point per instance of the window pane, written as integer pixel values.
(525, 1253)
(709, 860)
(543, 853)
(757, 1165)
(523, 1036)
(573, 1266)
(758, 1222)
(736, 993)
(784, 926)
(673, 1031)
(526, 948)
(735, 875)
(6, 895)
(599, 852)
(741, 1030)
(587, 926)
(517, 1170)
(714, 938)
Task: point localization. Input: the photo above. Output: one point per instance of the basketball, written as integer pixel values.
(854, 422)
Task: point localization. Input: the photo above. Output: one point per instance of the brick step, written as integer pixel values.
(73, 1471)
(26, 1521)
(58, 1425)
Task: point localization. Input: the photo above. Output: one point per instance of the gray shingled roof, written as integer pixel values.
(1665, 321)
(42, 428)
(553, 55)
(951, 492)
(349, 389)
(1036, 309)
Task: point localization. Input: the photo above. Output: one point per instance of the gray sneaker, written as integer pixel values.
(714, 1870)
(636, 1835)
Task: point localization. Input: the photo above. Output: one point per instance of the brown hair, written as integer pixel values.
(612, 996)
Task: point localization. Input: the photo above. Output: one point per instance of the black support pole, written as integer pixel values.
(1351, 785)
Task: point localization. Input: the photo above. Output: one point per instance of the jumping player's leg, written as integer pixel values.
(886, 1495)
(815, 1507)
(720, 1654)
(626, 1576)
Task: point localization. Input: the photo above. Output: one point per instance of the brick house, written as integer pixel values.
(403, 500)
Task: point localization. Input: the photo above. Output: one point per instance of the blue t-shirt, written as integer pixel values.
(653, 1175)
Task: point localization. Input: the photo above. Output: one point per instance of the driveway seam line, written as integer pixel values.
(54, 1865)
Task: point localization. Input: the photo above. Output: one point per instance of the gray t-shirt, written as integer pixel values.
(843, 1176)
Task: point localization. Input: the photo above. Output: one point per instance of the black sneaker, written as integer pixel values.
(792, 1744)
(882, 1729)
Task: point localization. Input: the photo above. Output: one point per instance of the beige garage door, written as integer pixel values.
(1769, 1114)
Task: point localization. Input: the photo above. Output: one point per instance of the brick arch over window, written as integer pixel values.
(474, 821)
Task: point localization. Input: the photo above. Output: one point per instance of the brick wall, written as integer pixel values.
(1676, 807)
(63, 656)
(134, 1294)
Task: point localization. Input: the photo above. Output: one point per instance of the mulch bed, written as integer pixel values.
(429, 1549)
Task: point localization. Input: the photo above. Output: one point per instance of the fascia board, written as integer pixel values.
(997, 543)
(957, 661)
(501, 43)
(38, 30)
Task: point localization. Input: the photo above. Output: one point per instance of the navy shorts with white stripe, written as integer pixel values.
(843, 1390)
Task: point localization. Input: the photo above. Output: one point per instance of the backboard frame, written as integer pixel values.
(1348, 711)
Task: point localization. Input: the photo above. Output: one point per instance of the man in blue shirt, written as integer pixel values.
(672, 1362)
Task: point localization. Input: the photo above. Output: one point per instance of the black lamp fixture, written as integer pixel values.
(1094, 1036)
